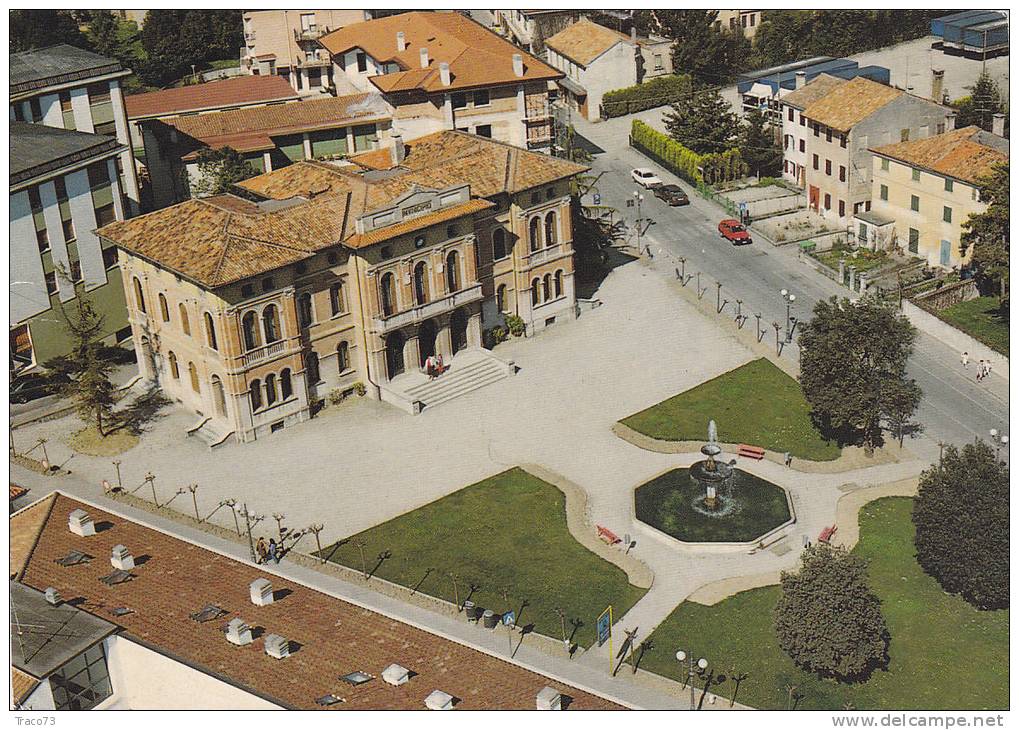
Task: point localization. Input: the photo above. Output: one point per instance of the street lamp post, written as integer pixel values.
(1000, 441)
(790, 299)
(640, 199)
(702, 664)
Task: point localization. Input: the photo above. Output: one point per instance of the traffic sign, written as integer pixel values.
(597, 198)
(509, 618)
(604, 626)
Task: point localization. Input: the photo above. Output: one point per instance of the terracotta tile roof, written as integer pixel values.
(816, 89)
(961, 153)
(583, 41)
(850, 103)
(29, 523)
(22, 685)
(334, 637)
(238, 91)
(17, 491)
(476, 56)
(415, 224)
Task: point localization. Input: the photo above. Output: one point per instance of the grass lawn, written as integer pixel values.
(981, 319)
(88, 441)
(506, 533)
(945, 654)
(863, 259)
(754, 404)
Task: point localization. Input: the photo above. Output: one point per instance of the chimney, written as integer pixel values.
(549, 699)
(518, 65)
(401, 41)
(53, 597)
(121, 558)
(937, 85)
(998, 125)
(444, 73)
(80, 523)
(398, 152)
(276, 646)
(395, 675)
(238, 632)
(950, 122)
(801, 79)
(261, 592)
(424, 58)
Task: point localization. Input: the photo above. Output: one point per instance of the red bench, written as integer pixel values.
(827, 534)
(608, 535)
(751, 452)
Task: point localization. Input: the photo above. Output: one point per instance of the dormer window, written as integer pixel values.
(247, 290)
(268, 284)
(387, 252)
(301, 268)
(451, 230)
(419, 242)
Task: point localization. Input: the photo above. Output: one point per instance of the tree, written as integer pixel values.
(703, 122)
(699, 49)
(758, 147)
(981, 105)
(219, 169)
(828, 620)
(962, 523)
(853, 369)
(40, 28)
(176, 40)
(988, 233)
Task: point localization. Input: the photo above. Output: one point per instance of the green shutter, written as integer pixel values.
(257, 161)
(362, 137)
(102, 113)
(102, 196)
(291, 146)
(329, 142)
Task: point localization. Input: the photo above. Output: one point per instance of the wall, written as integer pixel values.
(614, 69)
(954, 338)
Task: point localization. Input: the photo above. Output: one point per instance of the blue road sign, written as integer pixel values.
(509, 618)
(597, 198)
(604, 626)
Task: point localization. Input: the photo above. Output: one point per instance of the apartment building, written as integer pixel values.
(924, 190)
(739, 21)
(251, 310)
(795, 132)
(63, 185)
(529, 28)
(444, 71)
(268, 136)
(218, 633)
(69, 88)
(843, 126)
(285, 43)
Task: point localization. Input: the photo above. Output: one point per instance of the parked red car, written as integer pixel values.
(734, 232)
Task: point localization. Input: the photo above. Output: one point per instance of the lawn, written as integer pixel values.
(506, 533)
(863, 259)
(981, 319)
(754, 404)
(944, 653)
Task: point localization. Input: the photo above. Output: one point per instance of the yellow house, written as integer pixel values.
(924, 190)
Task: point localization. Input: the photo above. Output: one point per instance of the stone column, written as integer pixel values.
(852, 278)
(307, 147)
(863, 283)
(411, 354)
(443, 340)
(474, 330)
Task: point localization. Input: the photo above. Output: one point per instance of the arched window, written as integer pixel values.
(270, 389)
(139, 297)
(174, 370)
(535, 293)
(535, 233)
(249, 325)
(286, 384)
(500, 297)
(164, 310)
(304, 309)
(559, 283)
(546, 287)
(453, 271)
(210, 332)
(551, 235)
(421, 282)
(387, 294)
(336, 298)
(312, 368)
(185, 324)
(256, 394)
(271, 324)
(193, 372)
(343, 357)
(498, 244)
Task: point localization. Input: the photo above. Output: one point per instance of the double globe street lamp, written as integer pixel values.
(701, 664)
(1000, 442)
(790, 299)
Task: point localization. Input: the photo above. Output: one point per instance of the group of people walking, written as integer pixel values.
(434, 367)
(266, 552)
(983, 367)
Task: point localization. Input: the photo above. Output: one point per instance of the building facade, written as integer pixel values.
(332, 278)
(529, 28)
(739, 21)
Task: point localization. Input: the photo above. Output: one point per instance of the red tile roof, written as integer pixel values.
(239, 91)
(333, 637)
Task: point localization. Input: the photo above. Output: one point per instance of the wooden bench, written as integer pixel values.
(608, 536)
(827, 534)
(751, 452)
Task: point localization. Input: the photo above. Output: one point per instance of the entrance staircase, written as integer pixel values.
(470, 370)
(209, 433)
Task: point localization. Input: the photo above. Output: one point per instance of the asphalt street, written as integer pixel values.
(955, 407)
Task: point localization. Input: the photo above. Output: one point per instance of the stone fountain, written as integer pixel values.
(712, 474)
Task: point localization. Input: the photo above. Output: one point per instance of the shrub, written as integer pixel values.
(640, 97)
(684, 162)
(359, 388)
(495, 336)
(335, 396)
(515, 324)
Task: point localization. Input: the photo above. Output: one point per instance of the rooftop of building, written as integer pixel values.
(17, 492)
(329, 637)
(848, 104)
(59, 64)
(477, 57)
(238, 91)
(966, 154)
(817, 88)
(223, 239)
(36, 149)
(22, 685)
(584, 41)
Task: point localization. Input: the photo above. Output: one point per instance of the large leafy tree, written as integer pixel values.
(703, 122)
(853, 369)
(988, 233)
(828, 620)
(961, 518)
(710, 57)
(40, 28)
(220, 169)
(176, 40)
(758, 147)
(981, 105)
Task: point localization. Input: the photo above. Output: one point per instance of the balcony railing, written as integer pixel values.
(311, 33)
(542, 255)
(313, 62)
(428, 310)
(262, 353)
(249, 36)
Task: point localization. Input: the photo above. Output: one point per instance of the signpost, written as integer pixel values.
(509, 620)
(604, 630)
(597, 198)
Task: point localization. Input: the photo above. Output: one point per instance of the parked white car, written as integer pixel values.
(644, 176)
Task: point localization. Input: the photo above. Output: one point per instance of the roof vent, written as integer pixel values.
(261, 592)
(424, 58)
(439, 700)
(518, 65)
(401, 41)
(53, 597)
(276, 646)
(549, 699)
(80, 523)
(121, 558)
(398, 151)
(395, 675)
(238, 632)
(444, 73)
(801, 79)
(949, 122)
(998, 125)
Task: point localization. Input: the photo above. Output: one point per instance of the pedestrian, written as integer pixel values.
(260, 550)
(788, 459)
(273, 552)
(965, 359)
(980, 371)
(987, 368)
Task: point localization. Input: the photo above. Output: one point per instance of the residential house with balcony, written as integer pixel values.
(529, 28)
(843, 126)
(444, 71)
(268, 137)
(251, 309)
(795, 131)
(70, 88)
(924, 190)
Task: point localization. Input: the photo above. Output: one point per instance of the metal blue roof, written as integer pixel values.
(785, 76)
(952, 27)
(938, 24)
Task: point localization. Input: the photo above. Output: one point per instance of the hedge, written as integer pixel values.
(654, 93)
(692, 167)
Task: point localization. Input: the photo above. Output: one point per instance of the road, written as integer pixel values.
(955, 407)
